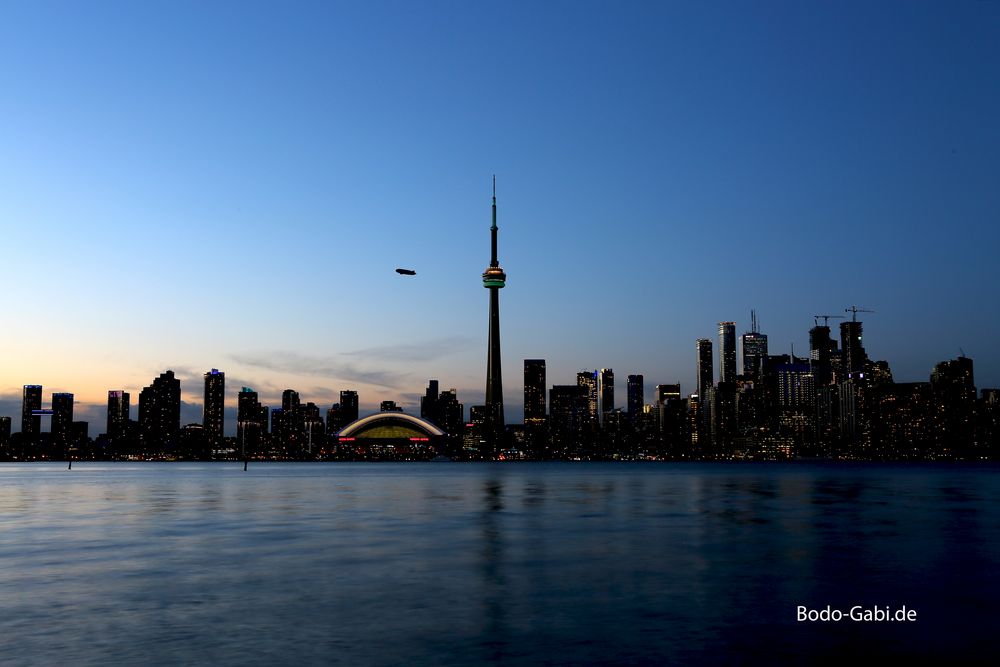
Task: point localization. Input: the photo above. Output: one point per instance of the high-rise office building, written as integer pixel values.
(494, 280)
(534, 391)
(213, 417)
(118, 414)
(666, 392)
(727, 351)
(568, 410)
(852, 349)
(249, 429)
(704, 367)
(954, 387)
(160, 412)
(5, 426)
(348, 407)
(606, 380)
(62, 421)
(429, 403)
(636, 397)
(754, 349)
(31, 424)
(588, 380)
(821, 348)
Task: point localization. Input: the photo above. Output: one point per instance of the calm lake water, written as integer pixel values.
(457, 564)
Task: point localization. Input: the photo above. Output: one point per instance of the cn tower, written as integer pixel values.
(494, 279)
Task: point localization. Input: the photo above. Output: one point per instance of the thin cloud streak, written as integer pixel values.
(423, 351)
(297, 364)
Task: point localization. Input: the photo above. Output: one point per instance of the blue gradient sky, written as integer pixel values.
(230, 185)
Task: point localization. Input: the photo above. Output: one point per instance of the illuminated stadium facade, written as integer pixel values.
(395, 435)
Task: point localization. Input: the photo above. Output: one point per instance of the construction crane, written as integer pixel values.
(826, 319)
(854, 310)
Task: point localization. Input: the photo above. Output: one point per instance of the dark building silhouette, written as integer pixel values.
(31, 424)
(118, 414)
(62, 423)
(703, 347)
(954, 389)
(429, 403)
(907, 425)
(494, 279)
(5, 450)
(348, 407)
(727, 351)
(852, 350)
(314, 429)
(534, 391)
(666, 392)
(635, 397)
(568, 411)
(213, 415)
(160, 413)
(606, 383)
(389, 406)
(249, 429)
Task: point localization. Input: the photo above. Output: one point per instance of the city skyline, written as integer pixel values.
(662, 169)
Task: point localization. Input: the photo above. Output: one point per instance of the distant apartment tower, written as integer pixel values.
(213, 417)
(62, 421)
(852, 349)
(754, 349)
(703, 347)
(636, 396)
(160, 411)
(348, 406)
(606, 381)
(588, 380)
(727, 351)
(534, 391)
(568, 410)
(821, 348)
(249, 417)
(429, 403)
(118, 414)
(31, 425)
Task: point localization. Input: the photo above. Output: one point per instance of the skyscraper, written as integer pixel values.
(160, 412)
(820, 354)
(727, 351)
(606, 380)
(248, 420)
(348, 407)
(494, 280)
(534, 391)
(118, 414)
(213, 417)
(62, 421)
(31, 425)
(851, 348)
(636, 397)
(704, 370)
(754, 347)
(429, 403)
(588, 380)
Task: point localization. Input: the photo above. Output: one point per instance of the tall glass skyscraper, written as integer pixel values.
(534, 391)
(213, 417)
(727, 351)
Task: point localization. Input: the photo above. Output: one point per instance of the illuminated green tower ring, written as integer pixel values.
(494, 277)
